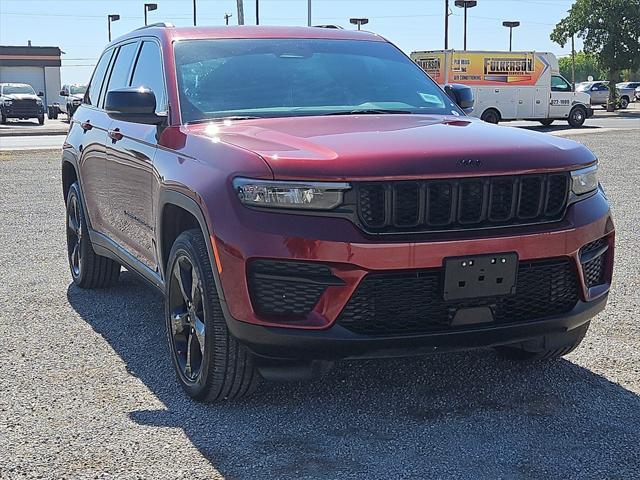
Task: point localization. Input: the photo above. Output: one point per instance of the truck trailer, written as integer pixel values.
(509, 85)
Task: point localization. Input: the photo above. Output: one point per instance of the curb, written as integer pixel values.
(31, 133)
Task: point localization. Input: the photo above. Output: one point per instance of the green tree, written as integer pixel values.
(610, 30)
(586, 65)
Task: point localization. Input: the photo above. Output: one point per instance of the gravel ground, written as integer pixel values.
(87, 390)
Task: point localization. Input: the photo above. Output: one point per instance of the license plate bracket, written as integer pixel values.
(476, 276)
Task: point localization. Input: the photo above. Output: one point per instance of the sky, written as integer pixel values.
(79, 27)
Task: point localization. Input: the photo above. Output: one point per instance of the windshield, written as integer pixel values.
(583, 86)
(13, 89)
(296, 77)
(77, 89)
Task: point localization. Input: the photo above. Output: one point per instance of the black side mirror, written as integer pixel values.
(133, 104)
(41, 94)
(462, 95)
(63, 93)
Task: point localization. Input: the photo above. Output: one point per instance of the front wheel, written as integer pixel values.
(41, 119)
(624, 102)
(551, 347)
(577, 116)
(3, 119)
(546, 122)
(210, 364)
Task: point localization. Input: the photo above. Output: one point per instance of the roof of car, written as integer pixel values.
(246, 31)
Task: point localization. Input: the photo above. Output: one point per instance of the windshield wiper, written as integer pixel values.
(231, 117)
(370, 111)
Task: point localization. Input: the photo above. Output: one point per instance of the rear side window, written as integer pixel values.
(148, 73)
(93, 92)
(120, 72)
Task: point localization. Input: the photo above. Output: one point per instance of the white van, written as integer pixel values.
(510, 85)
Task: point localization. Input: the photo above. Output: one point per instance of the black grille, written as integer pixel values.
(287, 288)
(23, 107)
(412, 302)
(593, 268)
(391, 207)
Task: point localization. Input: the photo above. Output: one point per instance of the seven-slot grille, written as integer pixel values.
(453, 204)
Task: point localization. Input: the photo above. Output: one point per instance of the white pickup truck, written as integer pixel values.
(71, 98)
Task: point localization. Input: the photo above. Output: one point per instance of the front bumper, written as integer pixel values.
(589, 112)
(18, 111)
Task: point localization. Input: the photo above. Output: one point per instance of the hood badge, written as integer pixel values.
(470, 162)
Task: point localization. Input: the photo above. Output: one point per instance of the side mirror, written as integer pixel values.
(41, 94)
(63, 93)
(462, 95)
(132, 104)
(594, 88)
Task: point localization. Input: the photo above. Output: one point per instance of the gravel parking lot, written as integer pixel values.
(87, 390)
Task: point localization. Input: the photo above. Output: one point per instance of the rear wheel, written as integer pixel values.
(41, 119)
(3, 119)
(577, 116)
(88, 269)
(210, 364)
(491, 115)
(546, 348)
(546, 122)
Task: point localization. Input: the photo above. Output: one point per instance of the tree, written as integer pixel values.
(610, 30)
(586, 65)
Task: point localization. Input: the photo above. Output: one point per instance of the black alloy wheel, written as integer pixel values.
(74, 236)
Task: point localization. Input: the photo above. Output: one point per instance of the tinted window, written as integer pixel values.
(93, 92)
(295, 77)
(148, 73)
(120, 72)
(559, 84)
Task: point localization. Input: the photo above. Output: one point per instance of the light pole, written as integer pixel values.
(510, 26)
(308, 13)
(257, 12)
(446, 24)
(194, 13)
(111, 18)
(227, 16)
(359, 21)
(466, 4)
(148, 7)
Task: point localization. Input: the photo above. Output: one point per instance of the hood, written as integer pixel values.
(76, 96)
(361, 147)
(21, 96)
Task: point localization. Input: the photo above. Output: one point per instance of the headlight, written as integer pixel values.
(7, 102)
(39, 102)
(298, 195)
(584, 180)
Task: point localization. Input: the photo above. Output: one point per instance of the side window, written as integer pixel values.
(148, 73)
(93, 91)
(559, 84)
(121, 67)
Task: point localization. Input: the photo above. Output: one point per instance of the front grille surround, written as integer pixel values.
(593, 258)
(411, 302)
(461, 204)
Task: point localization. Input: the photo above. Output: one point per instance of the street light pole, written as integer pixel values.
(257, 12)
(446, 24)
(573, 61)
(359, 21)
(308, 13)
(466, 4)
(148, 7)
(227, 16)
(240, 12)
(194, 13)
(510, 26)
(111, 18)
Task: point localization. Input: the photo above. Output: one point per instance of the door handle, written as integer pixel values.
(115, 134)
(86, 125)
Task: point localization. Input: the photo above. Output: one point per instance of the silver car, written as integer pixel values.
(599, 93)
(628, 92)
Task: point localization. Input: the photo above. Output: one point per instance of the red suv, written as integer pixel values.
(302, 195)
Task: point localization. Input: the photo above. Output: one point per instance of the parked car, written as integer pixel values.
(19, 100)
(637, 93)
(72, 95)
(627, 92)
(335, 203)
(599, 92)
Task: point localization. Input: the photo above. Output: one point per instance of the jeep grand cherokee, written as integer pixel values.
(302, 195)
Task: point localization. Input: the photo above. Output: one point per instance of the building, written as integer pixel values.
(37, 66)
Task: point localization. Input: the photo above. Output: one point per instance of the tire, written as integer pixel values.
(546, 122)
(41, 119)
(491, 115)
(624, 102)
(3, 119)
(88, 269)
(577, 116)
(210, 364)
(563, 344)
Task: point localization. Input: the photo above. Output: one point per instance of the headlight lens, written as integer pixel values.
(7, 102)
(298, 195)
(39, 102)
(584, 180)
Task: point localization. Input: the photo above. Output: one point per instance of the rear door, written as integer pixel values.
(131, 149)
(89, 129)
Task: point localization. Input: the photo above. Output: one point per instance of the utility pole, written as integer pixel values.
(110, 18)
(240, 12)
(257, 12)
(194, 13)
(573, 61)
(446, 24)
(308, 13)
(227, 16)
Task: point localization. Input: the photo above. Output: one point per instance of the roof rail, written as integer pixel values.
(329, 26)
(159, 24)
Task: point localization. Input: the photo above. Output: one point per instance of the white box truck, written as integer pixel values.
(509, 85)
